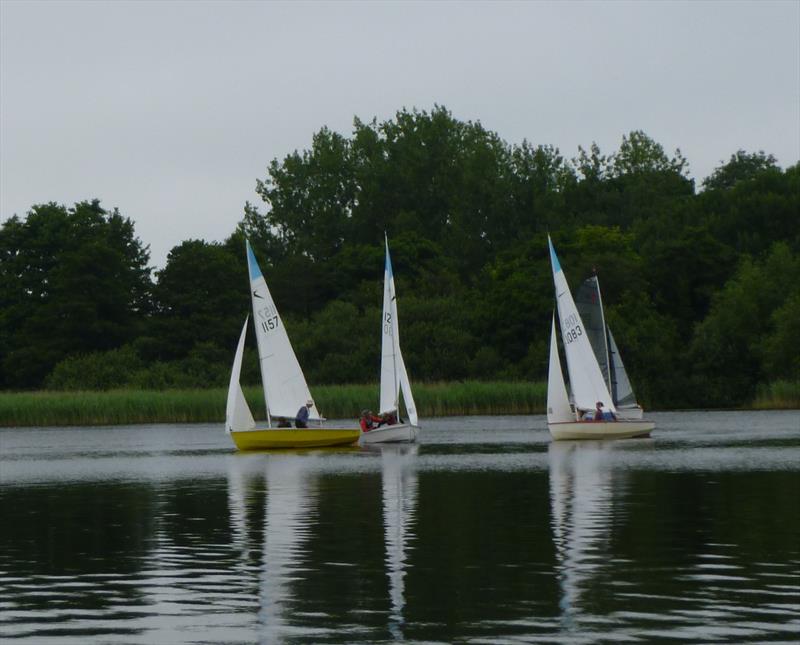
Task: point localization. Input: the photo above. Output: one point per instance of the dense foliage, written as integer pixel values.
(701, 287)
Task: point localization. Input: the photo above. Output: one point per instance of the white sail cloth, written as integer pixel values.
(394, 376)
(586, 380)
(237, 413)
(558, 407)
(285, 387)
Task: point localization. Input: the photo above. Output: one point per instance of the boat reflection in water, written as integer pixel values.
(581, 499)
(291, 502)
(289, 508)
(286, 487)
(399, 508)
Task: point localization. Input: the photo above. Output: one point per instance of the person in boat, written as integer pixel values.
(388, 418)
(603, 415)
(283, 422)
(368, 421)
(301, 419)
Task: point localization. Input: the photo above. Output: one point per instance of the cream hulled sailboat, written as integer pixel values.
(567, 420)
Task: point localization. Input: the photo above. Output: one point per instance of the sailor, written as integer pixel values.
(603, 415)
(368, 420)
(301, 420)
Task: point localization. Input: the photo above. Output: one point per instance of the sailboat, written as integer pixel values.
(394, 377)
(589, 302)
(586, 380)
(285, 388)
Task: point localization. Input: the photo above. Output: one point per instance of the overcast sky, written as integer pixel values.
(170, 111)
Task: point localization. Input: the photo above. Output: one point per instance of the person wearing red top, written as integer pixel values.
(369, 421)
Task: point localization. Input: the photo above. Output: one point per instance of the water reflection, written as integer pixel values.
(399, 507)
(581, 498)
(290, 504)
(472, 536)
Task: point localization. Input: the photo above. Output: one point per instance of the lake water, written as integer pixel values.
(484, 532)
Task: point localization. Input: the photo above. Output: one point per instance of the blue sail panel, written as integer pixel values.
(553, 257)
(252, 265)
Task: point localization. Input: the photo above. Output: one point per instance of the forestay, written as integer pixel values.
(285, 388)
(394, 377)
(586, 380)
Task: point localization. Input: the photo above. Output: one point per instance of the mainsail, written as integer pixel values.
(586, 380)
(590, 306)
(285, 388)
(394, 376)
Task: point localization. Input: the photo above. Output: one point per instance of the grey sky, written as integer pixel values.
(172, 110)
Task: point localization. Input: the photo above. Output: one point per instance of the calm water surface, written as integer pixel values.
(484, 532)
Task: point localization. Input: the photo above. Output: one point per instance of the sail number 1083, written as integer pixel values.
(572, 328)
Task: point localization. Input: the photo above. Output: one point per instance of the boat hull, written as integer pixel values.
(403, 432)
(266, 439)
(632, 413)
(600, 429)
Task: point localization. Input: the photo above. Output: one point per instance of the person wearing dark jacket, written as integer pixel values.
(301, 419)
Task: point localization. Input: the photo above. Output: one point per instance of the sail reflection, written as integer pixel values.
(291, 500)
(399, 508)
(581, 499)
(239, 486)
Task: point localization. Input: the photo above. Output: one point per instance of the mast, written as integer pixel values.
(392, 313)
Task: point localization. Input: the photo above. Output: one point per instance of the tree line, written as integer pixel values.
(701, 284)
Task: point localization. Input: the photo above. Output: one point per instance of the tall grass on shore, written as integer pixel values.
(114, 407)
(780, 395)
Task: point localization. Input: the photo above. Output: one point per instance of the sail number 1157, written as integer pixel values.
(269, 324)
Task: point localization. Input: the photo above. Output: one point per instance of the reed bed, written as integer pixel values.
(780, 395)
(112, 407)
(115, 407)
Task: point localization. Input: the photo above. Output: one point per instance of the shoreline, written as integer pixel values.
(132, 407)
(128, 407)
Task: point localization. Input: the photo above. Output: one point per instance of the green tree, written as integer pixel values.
(727, 352)
(683, 268)
(72, 281)
(201, 296)
(741, 167)
(780, 350)
(638, 154)
(311, 196)
(756, 211)
(340, 344)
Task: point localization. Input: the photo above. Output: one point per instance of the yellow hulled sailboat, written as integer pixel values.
(285, 388)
